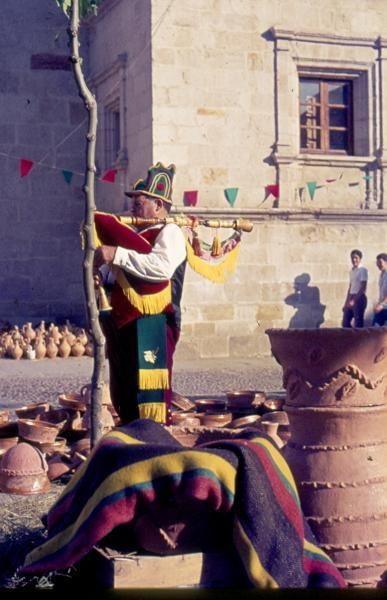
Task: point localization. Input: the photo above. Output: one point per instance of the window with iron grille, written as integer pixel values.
(326, 116)
(112, 134)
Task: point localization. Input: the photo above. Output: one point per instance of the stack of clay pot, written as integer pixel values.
(336, 403)
(45, 342)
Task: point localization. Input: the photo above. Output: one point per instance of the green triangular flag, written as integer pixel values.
(311, 188)
(68, 175)
(367, 177)
(231, 194)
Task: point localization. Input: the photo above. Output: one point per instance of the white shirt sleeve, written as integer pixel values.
(167, 254)
(364, 274)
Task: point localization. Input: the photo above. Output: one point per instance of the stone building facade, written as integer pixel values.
(226, 89)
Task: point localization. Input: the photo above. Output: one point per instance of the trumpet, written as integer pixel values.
(182, 221)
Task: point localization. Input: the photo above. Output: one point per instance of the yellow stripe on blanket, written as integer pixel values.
(254, 568)
(136, 474)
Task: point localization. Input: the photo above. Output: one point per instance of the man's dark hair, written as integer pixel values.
(356, 253)
(382, 256)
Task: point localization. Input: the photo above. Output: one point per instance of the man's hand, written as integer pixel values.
(104, 255)
(378, 307)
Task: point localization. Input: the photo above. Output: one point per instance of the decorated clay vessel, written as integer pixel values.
(335, 381)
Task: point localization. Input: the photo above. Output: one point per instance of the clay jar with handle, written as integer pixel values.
(51, 348)
(64, 349)
(86, 394)
(77, 349)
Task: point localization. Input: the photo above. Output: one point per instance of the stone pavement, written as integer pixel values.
(24, 381)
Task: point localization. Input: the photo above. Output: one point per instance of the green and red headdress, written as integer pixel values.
(157, 184)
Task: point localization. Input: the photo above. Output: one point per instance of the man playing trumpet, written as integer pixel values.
(145, 269)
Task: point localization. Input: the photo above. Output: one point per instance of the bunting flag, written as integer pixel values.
(190, 198)
(272, 189)
(68, 175)
(367, 177)
(109, 176)
(231, 194)
(25, 166)
(311, 188)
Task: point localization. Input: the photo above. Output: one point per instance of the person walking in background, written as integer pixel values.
(356, 300)
(380, 308)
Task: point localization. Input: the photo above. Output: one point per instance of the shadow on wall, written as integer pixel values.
(306, 300)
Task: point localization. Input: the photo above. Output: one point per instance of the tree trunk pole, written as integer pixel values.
(98, 376)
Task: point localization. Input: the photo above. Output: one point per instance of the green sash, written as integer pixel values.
(153, 375)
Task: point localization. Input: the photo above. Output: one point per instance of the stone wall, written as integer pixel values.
(43, 120)
(211, 85)
(292, 272)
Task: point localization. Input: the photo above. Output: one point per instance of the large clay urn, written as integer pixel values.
(335, 380)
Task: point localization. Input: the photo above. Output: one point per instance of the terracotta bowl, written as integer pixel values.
(30, 411)
(58, 446)
(205, 404)
(181, 402)
(273, 403)
(4, 416)
(211, 419)
(249, 421)
(240, 398)
(72, 402)
(37, 430)
(57, 466)
(58, 416)
(83, 446)
(179, 417)
(278, 416)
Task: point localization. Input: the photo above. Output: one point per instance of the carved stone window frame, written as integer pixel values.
(363, 60)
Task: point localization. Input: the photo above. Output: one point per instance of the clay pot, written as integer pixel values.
(4, 416)
(23, 471)
(210, 404)
(29, 333)
(64, 349)
(37, 431)
(271, 429)
(249, 421)
(57, 467)
(89, 349)
(178, 418)
(240, 398)
(107, 419)
(72, 402)
(15, 351)
(211, 419)
(85, 393)
(6, 443)
(336, 384)
(77, 349)
(51, 348)
(31, 411)
(40, 347)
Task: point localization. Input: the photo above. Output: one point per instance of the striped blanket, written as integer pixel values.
(141, 464)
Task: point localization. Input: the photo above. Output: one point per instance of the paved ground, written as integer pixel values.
(24, 381)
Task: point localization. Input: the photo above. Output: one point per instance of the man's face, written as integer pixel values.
(381, 264)
(355, 258)
(146, 207)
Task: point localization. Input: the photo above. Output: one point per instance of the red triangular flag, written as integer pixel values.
(190, 198)
(25, 166)
(109, 175)
(273, 189)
